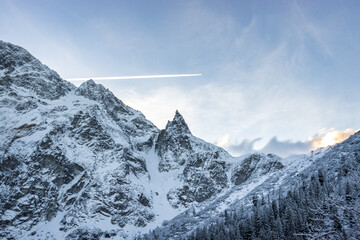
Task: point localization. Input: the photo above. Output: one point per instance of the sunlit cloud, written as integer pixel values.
(284, 148)
(135, 77)
(222, 141)
(330, 137)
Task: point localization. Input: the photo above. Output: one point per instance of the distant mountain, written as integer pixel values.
(77, 163)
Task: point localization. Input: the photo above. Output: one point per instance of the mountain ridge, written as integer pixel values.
(61, 148)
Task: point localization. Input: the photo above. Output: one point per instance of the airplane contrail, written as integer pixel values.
(135, 77)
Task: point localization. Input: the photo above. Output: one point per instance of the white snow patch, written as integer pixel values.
(9, 215)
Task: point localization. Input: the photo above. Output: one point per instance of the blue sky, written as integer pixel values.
(282, 71)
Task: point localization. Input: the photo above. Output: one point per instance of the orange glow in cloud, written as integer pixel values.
(221, 142)
(330, 137)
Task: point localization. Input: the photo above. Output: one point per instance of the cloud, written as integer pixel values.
(324, 138)
(329, 137)
(221, 142)
(307, 28)
(246, 146)
(286, 148)
(215, 110)
(281, 148)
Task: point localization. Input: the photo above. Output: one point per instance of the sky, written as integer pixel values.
(277, 76)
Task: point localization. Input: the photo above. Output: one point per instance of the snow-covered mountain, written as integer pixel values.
(78, 163)
(314, 197)
(74, 159)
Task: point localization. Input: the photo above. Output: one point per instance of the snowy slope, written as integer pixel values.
(289, 175)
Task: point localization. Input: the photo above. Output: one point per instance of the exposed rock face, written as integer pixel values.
(132, 122)
(78, 162)
(173, 144)
(66, 161)
(258, 164)
(18, 67)
(202, 165)
(67, 153)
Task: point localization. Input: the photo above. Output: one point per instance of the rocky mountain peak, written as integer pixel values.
(12, 56)
(100, 94)
(20, 69)
(177, 125)
(129, 120)
(91, 90)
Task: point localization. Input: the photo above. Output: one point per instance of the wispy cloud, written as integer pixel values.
(215, 110)
(246, 146)
(135, 77)
(275, 146)
(309, 29)
(284, 148)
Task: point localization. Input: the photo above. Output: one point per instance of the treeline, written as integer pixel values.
(320, 208)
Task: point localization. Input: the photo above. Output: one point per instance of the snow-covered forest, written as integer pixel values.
(321, 207)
